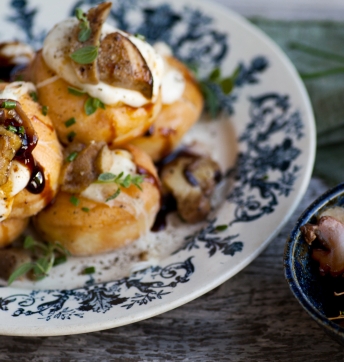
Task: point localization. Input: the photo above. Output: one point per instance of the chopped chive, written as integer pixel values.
(71, 136)
(21, 130)
(34, 96)
(12, 129)
(89, 270)
(74, 200)
(221, 227)
(8, 104)
(70, 122)
(85, 209)
(76, 92)
(72, 156)
(45, 110)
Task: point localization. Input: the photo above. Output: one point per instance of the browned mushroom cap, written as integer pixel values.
(79, 173)
(330, 234)
(88, 73)
(122, 65)
(191, 180)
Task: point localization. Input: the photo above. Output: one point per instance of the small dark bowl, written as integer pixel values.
(314, 292)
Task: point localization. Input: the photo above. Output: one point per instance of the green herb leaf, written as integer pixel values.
(29, 242)
(60, 260)
(8, 104)
(140, 36)
(85, 55)
(72, 156)
(106, 177)
(76, 92)
(45, 110)
(221, 227)
(34, 96)
(85, 209)
(70, 122)
(84, 34)
(120, 180)
(92, 104)
(11, 129)
(21, 270)
(21, 130)
(71, 135)
(74, 200)
(211, 100)
(89, 270)
(80, 15)
(215, 75)
(114, 195)
(41, 268)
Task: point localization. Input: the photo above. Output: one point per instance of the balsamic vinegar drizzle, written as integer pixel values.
(18, 120)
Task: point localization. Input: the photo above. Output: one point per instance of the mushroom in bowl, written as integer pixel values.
(311, 262)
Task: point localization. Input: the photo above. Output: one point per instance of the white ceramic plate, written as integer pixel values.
(266, 148)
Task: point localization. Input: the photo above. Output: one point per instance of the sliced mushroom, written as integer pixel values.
(329, 232)
(192, 181)
(82, 171)
(121, 64)
(88, 73)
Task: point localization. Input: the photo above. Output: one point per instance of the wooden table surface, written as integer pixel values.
(251, 317)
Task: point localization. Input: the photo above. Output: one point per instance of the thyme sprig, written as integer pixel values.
(47, 255)
(120, 180)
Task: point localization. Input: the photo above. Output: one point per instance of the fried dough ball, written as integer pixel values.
(175, 119)
(94, 223)
(116, 93)
(30, 161)
(47, 154)
(10, 229)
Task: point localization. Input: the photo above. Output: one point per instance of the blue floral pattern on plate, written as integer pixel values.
(266, 170)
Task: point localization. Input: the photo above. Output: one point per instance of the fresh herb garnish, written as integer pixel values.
(47, 255)
(76, 92)
(74, 200)
(85, 209)
(45, 110)
(71, 135)
(21, 130)
(92, 104)
(211, 83)
(72, 156)
(85, 55)
(140, 36)
(120, 180)
(70, 122)
(84, 25)
(12, 129)
(220, 228)
(34, 96)
(112, 197)
(8, 104)
(89, 270)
